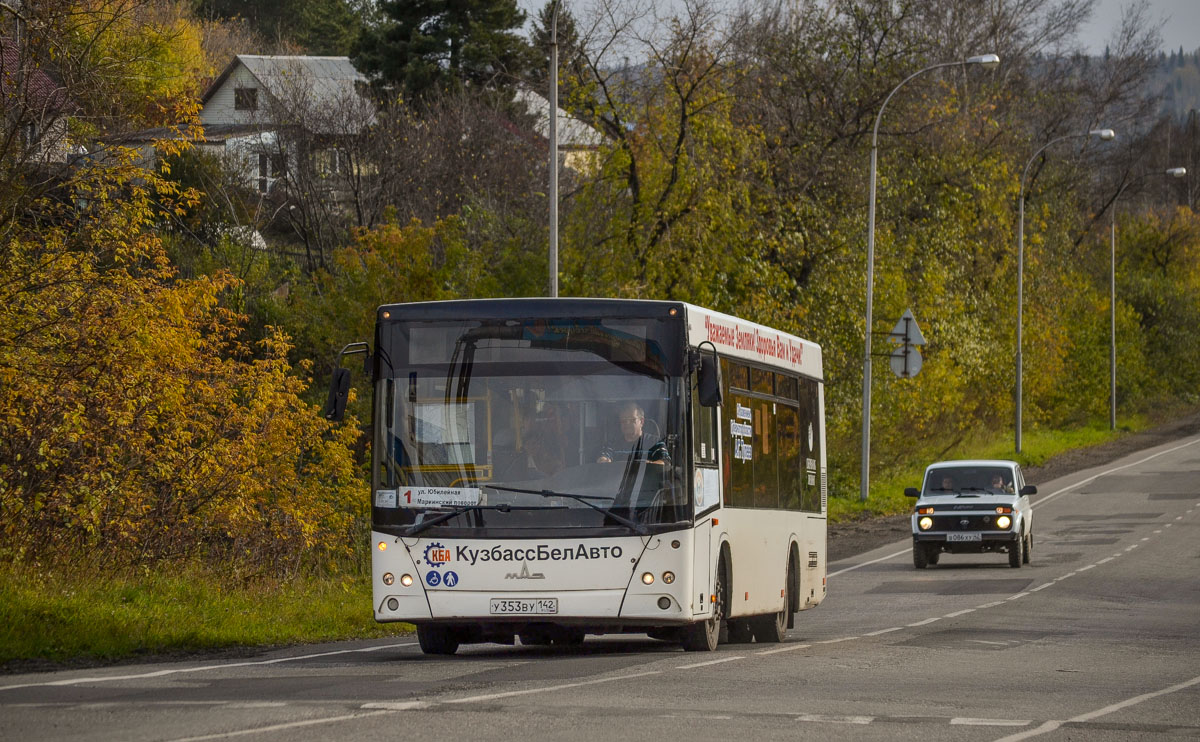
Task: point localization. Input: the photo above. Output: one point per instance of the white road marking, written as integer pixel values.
(966, 721)
(1146, 538)
(836, 719)
(993, 604)
(835, 641)
(788, 648)
(1085, 569)
(278, 727)
(710, 662)
(1156, 530)
(1105, 560)
(1014, 597)
(1050, 726)
(959, 613)
(928, 620)
(1042, 586)
(201, 668)
(1167, 525)
(398, 705)
(884, 631)
(551, 688)
(865, 564)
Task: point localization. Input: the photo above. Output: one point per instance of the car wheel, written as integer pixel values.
(933, 555)
(920, 556)
(1014, 552)
(1027, 550)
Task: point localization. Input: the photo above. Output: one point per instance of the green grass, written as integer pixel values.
(63, 615)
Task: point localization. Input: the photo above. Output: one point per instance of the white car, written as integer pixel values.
(972, 507)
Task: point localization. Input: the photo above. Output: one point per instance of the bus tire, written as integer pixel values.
(704, 636)
(436, 639)
(740, 631)
(773, 627)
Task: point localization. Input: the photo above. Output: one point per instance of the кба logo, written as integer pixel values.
(436, 555)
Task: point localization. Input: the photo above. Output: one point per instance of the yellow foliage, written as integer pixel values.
(135, 423)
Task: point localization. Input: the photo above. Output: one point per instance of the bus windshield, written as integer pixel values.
(514, 426)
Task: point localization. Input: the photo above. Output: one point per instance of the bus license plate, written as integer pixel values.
(523, 606)
(964, 537)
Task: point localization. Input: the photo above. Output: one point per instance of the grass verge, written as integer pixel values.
(63, 615)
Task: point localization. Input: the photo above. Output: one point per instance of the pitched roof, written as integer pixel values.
(19, 78)
(572, 133)
(327, 78)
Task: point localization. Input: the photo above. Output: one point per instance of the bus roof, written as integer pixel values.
(732, 336)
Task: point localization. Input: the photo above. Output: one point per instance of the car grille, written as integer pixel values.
(964, 522)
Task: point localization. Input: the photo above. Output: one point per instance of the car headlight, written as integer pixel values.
(925, 523)
(1003, 521)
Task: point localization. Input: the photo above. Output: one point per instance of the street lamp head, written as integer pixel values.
(1106, 135)
(984, 60)
(1177, 172)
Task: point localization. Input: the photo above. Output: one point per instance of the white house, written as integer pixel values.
(257, 98)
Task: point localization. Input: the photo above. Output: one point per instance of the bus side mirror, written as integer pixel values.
(912, 492)
(709, 385)
(339, 391)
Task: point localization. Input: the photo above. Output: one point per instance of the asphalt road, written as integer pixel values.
(1096, 639)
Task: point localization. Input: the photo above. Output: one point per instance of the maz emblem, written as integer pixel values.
(524, 574)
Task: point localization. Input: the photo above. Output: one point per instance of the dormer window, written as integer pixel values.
(245, 99)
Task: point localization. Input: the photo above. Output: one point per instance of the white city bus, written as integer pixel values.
(551, 468)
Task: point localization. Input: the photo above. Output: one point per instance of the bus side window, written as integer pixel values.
(704, 430)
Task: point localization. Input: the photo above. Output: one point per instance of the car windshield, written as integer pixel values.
(960, 480)
(521, 426)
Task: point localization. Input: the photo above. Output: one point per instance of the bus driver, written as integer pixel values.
(635, 445)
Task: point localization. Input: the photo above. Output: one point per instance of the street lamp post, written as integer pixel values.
(986, 60)
(1174, 172)
(1104, 135)
(554, 150)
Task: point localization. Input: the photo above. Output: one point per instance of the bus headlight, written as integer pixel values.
(648, 578)
(388, 578)
(1003, 521)
(406, 580)
(925, 523)
(668, 577)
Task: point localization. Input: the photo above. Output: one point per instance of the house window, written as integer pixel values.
(245, 99)
(270, 169)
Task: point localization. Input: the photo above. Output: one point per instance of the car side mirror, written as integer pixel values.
(709, 384)
(912, 492)
(1029, 489)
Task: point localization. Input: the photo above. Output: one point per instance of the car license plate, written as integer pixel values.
(964, 536)
(523, 606)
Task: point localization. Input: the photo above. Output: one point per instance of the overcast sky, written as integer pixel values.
(1181, 28)
(1181, 17)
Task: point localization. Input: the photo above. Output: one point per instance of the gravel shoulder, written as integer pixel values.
(849, 538)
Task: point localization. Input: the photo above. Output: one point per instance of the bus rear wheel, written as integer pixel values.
(436, 639)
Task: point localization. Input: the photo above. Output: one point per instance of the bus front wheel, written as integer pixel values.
(436, 639)
(706, 635)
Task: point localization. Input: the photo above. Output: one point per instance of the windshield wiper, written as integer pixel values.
(636, 527)
(416, 528)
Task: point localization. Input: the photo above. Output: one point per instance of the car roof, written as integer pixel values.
(971, 462)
